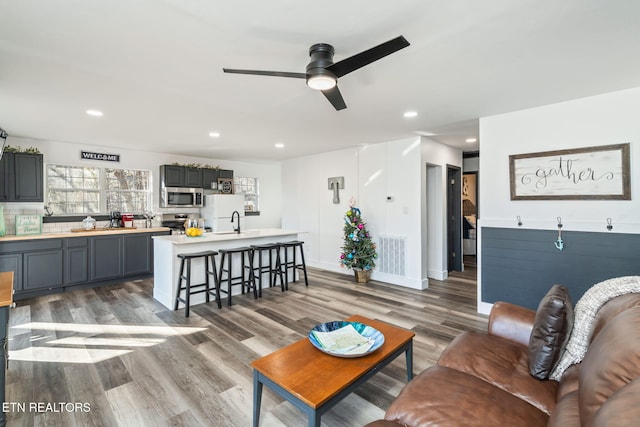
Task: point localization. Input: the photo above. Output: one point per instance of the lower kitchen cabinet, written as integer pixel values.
(106, 257)
(42, 269)
(52, 265)
(137, 254)
(13, 262)
(76, 260)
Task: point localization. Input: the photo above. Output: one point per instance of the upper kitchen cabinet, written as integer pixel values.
(209, 177)
(193, 177)
(225, 173)
(21, 177)
(180, 176)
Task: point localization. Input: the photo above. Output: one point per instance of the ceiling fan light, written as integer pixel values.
(321, 82)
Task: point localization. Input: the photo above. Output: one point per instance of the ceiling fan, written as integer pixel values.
(322, 73)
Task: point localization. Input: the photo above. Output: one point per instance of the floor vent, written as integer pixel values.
(391, 255)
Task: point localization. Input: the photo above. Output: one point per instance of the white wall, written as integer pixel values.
(599, 120)
(389, 183)
(268, 174)
(308, 202)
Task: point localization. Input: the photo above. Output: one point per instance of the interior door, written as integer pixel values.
(454, 218)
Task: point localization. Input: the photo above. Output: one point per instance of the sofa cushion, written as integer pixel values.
(499, 362)
(621, 409)
(611, 309)
(613, 361)
(567, 412)
(551, 331)
(570, 381)
(442, 396)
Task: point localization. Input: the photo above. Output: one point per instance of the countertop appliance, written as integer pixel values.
(181, 197)
(115, 219)
(218, 210)
(174, 222)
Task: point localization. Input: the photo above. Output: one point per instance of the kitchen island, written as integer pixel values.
(167, 264)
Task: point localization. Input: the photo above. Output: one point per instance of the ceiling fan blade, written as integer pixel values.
(361, 59)
(335, 98)
(267, 73)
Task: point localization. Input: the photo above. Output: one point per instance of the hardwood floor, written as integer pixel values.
(113, 356)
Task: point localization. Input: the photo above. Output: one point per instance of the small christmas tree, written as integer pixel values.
(358, 251)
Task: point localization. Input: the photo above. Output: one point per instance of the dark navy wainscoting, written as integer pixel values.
(520, 265)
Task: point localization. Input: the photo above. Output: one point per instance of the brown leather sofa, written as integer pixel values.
(483, 379)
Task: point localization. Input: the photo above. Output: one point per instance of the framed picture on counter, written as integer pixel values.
(225, 185)
(28, 224)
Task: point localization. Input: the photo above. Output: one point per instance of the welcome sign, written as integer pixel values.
(592, 173)
(88, 155)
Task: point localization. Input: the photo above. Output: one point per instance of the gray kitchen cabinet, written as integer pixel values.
(172, 176)
(42, 269)
(209, 176)
(42, 266)
(193, 177)
(36, 264)
(21, 177)
(13, 262)
(225, 173)
(137, 256)
(76, 260)
(180, 176)
(106, 257)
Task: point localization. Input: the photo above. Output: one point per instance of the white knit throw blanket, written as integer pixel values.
(585, 313)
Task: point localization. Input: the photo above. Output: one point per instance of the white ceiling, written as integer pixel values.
(154, 67)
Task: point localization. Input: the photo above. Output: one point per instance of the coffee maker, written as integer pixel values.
(115, 219)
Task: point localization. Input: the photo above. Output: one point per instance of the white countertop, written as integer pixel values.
(182, 239)
(96, 232)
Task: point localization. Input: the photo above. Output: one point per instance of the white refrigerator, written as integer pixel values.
(217, 211)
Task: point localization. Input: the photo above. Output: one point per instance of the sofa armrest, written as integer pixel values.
(511, 322)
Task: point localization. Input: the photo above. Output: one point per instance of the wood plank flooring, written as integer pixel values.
(113, 356)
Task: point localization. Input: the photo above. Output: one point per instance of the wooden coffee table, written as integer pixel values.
(314, 381)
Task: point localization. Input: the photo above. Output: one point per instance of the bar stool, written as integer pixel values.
(185, 259)
(246, 264)
(293, 264)
(273, 269)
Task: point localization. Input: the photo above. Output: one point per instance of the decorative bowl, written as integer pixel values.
(374, 337)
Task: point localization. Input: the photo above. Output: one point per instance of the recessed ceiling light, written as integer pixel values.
(95, 113)
(410, 114)
(471, 140)
(279, 145)
(214, 134)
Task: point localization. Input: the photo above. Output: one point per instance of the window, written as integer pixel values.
(83, 190)
(73, 190)
(249, 188)
(126, 190)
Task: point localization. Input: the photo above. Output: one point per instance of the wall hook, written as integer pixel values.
(559, 243)
(609, 226)
(519, 221)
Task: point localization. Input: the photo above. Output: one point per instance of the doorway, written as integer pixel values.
(454, 218)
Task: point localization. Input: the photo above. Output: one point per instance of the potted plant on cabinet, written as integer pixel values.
(358, 250)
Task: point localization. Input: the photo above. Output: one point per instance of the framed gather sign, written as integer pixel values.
(591, 173)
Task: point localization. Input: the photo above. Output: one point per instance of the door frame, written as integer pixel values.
(454, 218)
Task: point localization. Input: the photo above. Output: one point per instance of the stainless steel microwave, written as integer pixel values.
(181, 197)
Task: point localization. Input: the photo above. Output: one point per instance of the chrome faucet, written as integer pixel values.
(237, 230)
